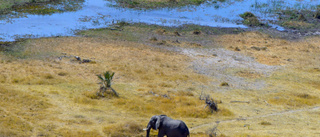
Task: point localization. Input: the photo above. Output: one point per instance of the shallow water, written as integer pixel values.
(101, 13)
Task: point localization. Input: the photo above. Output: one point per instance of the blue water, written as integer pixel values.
(99, 13)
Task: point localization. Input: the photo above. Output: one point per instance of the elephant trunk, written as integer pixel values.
(148, 130)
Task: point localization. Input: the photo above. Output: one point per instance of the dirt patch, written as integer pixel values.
(225, 64)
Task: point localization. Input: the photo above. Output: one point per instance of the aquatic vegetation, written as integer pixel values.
(247, 15)
(7, 4)
(250, 19)
(42, 7)
(302, 20)
(150, 4)
(35, 9)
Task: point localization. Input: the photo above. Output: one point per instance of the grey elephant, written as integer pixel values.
(167, 126)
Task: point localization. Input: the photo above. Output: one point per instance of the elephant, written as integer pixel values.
(167, 126)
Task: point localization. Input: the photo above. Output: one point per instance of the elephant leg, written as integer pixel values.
(175, 134)
(161, 133)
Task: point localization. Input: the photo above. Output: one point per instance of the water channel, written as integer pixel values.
(102, 13)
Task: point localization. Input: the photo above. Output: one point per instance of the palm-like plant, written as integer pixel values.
(106, 79)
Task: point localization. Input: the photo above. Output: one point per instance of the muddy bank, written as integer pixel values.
(289, 34)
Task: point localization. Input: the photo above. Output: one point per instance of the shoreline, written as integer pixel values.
(296, 25)
(286, 34)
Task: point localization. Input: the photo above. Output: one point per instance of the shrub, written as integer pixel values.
(224, 84)
(265, 123)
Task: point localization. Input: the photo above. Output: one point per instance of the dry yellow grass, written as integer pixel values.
(273, 51)
(66, 86)
(43, 95)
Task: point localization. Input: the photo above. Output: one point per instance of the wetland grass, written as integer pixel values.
(39, 7)
(153, 4)
(302, 20)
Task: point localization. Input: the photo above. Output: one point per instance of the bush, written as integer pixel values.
(247, 15)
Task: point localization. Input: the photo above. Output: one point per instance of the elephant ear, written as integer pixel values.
(157, 122)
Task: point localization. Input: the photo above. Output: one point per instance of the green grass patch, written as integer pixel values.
(111, 34)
